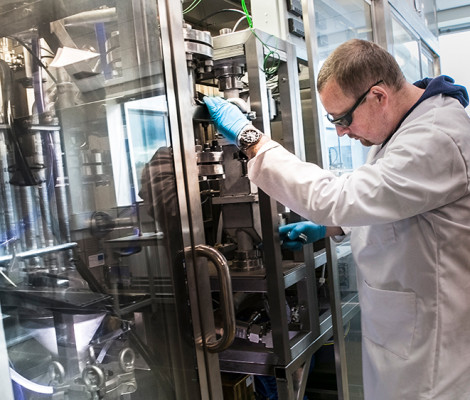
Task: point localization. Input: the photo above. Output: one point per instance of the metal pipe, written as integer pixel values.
(45, 250)
(29, 221)
(46, 223)
(7, 213)
(7, 224)
(45, 237)
(37, 76)
(91, 17)
(61, 190)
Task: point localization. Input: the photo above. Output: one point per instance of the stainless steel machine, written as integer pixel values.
(137, 261)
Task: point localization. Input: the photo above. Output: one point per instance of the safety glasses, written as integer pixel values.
(346, 118)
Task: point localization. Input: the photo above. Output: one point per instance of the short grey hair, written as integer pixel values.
(357, 64)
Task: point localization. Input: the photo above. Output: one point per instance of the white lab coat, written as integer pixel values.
(409, 209)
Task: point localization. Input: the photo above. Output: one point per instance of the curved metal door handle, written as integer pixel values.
(228, 312)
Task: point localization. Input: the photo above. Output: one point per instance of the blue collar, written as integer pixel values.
(432, 87)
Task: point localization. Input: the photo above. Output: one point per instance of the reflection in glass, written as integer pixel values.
(337, 22)
(92, 289)
(406, 51)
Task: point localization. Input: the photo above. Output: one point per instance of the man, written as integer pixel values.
(408, 209)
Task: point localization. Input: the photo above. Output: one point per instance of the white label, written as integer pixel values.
(96, 260)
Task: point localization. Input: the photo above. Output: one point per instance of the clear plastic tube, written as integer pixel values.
(30, 385)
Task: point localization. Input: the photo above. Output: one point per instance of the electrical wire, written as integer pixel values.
(238, 23)
(222, 11)
(48, 50)
(248, 16)
(272, 60)
(35, 57)
(191, 7)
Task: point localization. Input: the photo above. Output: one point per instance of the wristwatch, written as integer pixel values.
(248, 137)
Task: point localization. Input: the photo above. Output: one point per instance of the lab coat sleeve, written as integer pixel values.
(344, 237)
(419, 171)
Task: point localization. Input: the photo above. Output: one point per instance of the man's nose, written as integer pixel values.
(342, 130)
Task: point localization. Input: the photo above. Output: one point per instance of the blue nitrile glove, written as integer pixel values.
(295, 235)
(228, 118)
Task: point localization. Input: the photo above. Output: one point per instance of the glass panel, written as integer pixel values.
(341, 20)
(352, 340)
(429, 8)
(92, 284)
(406, 51)
(337, 22)
(427, 62)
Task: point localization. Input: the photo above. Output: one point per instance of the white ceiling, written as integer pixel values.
(453, 15)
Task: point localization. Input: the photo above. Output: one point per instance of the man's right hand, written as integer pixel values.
(228, 119)
(295, 235)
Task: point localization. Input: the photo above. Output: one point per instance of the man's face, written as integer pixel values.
(366, 117)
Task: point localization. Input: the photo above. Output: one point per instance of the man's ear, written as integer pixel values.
(380, 94)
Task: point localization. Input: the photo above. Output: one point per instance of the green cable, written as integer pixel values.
(271, 61)
(269, 70)
(248, 17)
(192, 6)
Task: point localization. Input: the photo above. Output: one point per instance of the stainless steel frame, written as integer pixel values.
(181, 126)
(340, 311)
(134, 79)
(151, 66)
(289, 359)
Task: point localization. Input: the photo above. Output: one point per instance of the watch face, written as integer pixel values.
(249, 137)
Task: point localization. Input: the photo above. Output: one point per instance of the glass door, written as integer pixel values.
(102, 275)
(337, 22)
(416, 59)
(338, 363)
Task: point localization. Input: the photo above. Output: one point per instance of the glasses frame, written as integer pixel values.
(346, 119)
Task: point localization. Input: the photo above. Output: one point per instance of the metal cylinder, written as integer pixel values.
(45, 225)
(28, 220)
(60, 188)
(7, 214)
(247, 258)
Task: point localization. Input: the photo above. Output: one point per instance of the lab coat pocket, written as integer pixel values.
(389, 318)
